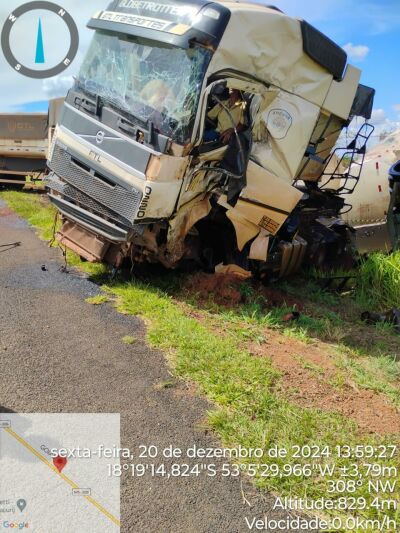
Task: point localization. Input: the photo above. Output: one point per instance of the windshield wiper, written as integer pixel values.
(138, 132)
(94, 108)
(142, 132)
(99, 105)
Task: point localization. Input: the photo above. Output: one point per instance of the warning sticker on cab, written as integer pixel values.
(269, 224)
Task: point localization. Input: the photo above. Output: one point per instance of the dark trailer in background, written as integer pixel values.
(25, 139)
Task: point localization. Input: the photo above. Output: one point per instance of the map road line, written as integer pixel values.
(63, 476)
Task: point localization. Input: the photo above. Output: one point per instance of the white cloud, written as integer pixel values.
(378, 116)
(382, 124)
(57, 86)
(396, 107)
(356, 52)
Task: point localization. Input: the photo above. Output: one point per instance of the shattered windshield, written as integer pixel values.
(153, 81)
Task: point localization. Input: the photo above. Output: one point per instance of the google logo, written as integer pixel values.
(14, 525)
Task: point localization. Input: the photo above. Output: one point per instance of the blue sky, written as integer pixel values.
(368, 29)
(34, 107)
(372, 27)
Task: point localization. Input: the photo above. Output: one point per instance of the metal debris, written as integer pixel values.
(9, 246)
(390, 317)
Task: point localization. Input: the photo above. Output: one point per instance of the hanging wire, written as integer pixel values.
(53, 230)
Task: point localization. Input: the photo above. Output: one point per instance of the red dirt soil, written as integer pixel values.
(311, 388)
(224, 290)
(308, 387)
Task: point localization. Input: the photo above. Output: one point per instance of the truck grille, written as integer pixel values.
(54, 183)
(95, 187)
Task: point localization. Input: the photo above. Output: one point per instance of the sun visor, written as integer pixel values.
(167, 21)
(363, 102)
(323, 51)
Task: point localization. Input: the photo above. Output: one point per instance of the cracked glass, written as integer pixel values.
(150, 80)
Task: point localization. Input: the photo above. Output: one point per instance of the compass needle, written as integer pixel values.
(39, 45)
(40, 58)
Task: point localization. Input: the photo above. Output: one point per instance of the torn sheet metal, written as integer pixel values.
(282, 132)
(264, 204)
(259, 247)
(245, 230)
(274, 52)
(267, 200)
(187, 217)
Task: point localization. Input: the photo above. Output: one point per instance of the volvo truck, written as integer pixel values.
(136, 175)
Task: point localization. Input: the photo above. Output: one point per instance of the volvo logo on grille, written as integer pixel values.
(100, 137)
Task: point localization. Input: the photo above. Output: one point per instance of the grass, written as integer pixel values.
(321, 322)
(372, 369)
(306, 288)
(128, 339)
(378, 283)
(246, 407)
(34, 208)
(364, 352)
(97, 300)
(39, 213)
(380, 374)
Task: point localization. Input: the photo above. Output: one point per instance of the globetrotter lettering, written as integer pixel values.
(144, 22)
(145, 202)
(154, 7)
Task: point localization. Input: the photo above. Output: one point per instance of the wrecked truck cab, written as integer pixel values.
(132, 174)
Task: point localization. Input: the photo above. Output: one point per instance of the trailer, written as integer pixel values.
(25, 139)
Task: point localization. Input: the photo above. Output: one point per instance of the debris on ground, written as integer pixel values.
(9, 246)
(291, 317)
(390, 317)
(337, 284)
(233, 269)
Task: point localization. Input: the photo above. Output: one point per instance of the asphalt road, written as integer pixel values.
(60, 354)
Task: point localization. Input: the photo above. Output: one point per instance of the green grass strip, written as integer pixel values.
(33, 208)
(248, 412)
(378, 283)
(40, 214)
(247, 408)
